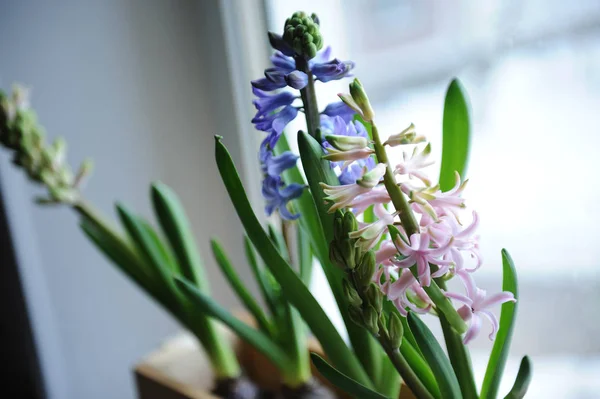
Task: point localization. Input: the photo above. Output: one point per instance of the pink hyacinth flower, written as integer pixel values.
(411, 165)
(386, 251)
(375, 196)
(477, 304)
(398, 291)
(419, 253)
(370, 234)
(464, 241)
(342, 196)
(434, 201)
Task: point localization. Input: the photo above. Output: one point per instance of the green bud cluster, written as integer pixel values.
(43, 163)
(301, 32)
(364, 297)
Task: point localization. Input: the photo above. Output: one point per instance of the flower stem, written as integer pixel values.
(398, 199)
(459, 356)
(402, 366)
(309, 99)
(411, 227)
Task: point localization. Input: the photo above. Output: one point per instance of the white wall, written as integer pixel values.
(141, 87)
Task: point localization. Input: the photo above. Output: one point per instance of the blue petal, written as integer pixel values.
(284, 63)
(265, 84)
(332, 70)
(266, 103)
(297, 79)
(339, 109)
(278, 43)
(276, 165)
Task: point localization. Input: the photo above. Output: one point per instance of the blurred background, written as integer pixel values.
(142, 86)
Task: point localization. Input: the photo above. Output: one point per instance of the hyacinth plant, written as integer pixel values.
(412, 237)
(386, 236)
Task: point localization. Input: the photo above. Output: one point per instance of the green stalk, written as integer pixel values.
(400, 363)
(221, 355)
(459, 356)
(309, 100)
(410, 225)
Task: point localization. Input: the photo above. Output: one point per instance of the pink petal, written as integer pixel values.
(494, 321)
(473, 330)
(459, 297)
(497, 299)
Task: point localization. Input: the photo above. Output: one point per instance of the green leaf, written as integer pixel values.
(522, 381)
(389, 381)
(456, 135)
(167, 257)
(240, 288)
(152, 279)
(279, 242)
(508, 315)
(305, 258)
(292, 287)
(257, 339)
(265, 280)
(318, 170)
(435, 356)
(177, 229)
(120, 252)
(419, 366)
(342, 381)
(147, 246)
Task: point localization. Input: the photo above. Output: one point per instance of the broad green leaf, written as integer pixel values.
(342, 381)
(146, 245)
(292, 287)
(177, 229)
(389, 381)
(166, 255)
(279, 243)
(318, 170)
(435, 356)
(119, 251)
(271, 294)
(522, 381)
(257, 339)
(419, 366)
(305, 257)
(508, 315)
(456, 135)
(239, 287)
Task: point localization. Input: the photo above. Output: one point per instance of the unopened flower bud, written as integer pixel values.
(335, 256)
(371, 319)
(350, 223)
(395, 330)
(301, 33)
(407, 136)
(356, 315)
(365, 269)
(351, 294)
(374, 297)
(372, 177)
(347, 250)
(338, 226)
(360, 98)
(347, 143)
